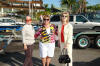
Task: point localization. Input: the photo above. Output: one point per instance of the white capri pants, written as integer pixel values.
(46, 49)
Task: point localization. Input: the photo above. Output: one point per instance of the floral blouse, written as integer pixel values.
(44, 36)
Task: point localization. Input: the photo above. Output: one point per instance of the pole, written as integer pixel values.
(29, 8)
(32, 9)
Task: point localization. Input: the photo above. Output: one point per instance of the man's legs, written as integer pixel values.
(28, 54)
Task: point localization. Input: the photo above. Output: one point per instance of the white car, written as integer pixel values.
(5, 21)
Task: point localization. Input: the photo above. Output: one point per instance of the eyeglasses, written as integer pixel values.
(46, 19)
(29, 20)
(64, 16)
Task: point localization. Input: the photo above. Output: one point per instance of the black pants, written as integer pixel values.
(28, 56)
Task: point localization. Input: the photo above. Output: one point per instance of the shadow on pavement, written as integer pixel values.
(95, 62)
(17, 59)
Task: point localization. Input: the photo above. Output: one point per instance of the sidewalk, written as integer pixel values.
(81, 57)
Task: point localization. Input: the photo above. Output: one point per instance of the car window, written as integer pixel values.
(1, 20)
(80, 19)
(55, 18)
(9, 21)
(97, 16)
(71, 19)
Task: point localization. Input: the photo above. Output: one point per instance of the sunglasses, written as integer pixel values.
(46, 19)
(64, 16)
(29, 20)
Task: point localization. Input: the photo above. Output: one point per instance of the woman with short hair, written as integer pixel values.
(47, 40)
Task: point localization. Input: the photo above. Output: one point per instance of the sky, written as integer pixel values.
(56, 3)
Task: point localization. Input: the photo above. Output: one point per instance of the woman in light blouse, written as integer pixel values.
(65, 33)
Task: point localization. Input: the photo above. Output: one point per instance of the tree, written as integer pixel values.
(81, 6)
(68, 3)
(52, 6)
(97, 7)
(45, 5)
(93, 8)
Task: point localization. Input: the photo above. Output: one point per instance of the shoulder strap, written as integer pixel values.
(64, 52)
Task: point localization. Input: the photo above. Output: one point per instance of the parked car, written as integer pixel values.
(79, 22)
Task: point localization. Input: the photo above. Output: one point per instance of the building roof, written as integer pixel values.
(18, 4)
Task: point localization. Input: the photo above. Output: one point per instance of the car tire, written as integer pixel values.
(83, 42)
(97, 42)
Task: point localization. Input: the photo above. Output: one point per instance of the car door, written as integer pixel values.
(82, 24)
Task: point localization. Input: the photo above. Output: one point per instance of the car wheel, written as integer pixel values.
(97, 42)
(83, 42)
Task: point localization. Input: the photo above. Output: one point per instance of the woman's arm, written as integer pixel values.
(38, 33)
(69, 40)
(70, 36)
(23, 35)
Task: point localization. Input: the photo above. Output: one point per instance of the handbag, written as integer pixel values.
(64, 57)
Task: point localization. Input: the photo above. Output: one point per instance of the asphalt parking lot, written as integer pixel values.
(81, 57)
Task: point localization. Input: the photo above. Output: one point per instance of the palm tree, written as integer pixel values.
(69, 3)
(45, 5)
(52, 6)
(82, 6)
(77, 5)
